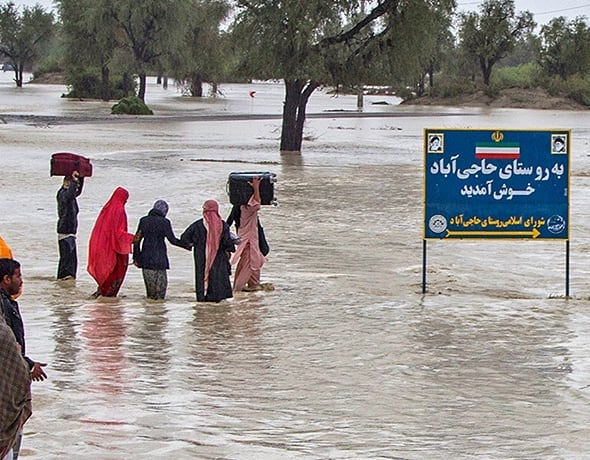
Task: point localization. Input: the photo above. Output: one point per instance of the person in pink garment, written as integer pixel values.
(248, 257)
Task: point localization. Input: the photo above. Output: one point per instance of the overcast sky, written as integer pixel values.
(543, 10)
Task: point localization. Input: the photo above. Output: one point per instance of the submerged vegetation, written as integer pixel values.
(131, 105)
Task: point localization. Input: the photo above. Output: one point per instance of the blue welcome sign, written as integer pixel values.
(497, 183)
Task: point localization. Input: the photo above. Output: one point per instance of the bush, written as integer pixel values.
(405, 93)
(453, 88)
(131, 105)
(83, 85)
(522, 76)
(87, 84)
(576, 88)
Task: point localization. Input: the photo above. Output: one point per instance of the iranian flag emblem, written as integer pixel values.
(502, 151)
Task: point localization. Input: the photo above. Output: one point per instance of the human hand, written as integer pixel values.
(37, 372)
(255, 183)
(75, 175)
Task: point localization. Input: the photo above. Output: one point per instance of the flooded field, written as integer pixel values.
(346, 358)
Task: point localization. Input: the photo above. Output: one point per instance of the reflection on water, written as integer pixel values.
(345, 358)
(104, 332)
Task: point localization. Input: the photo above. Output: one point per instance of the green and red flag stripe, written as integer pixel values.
(503, 150)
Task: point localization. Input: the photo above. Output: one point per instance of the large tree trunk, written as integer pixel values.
(127, 85)
(486, 70)
(297, 93)
(196, 86)
(18, 75)
(142, 84)
(106, 83)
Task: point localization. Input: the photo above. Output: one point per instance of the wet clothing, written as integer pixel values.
(67, 207)
(13, 319)
(234, 218)
(112, 283)
(15, 390)
(68, 257)
(156, 283)
(248, 257)
(219, 284)
(110, 245)
(149, 250)
(67, 226)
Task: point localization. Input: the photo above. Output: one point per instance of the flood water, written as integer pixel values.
(346, 358)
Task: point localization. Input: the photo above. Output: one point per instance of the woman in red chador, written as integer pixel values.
(110, 245)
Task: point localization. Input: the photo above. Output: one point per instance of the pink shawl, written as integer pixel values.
(214, 225)
(109, 237)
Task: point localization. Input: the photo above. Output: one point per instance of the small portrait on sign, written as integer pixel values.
(436, 143)
(559, 143)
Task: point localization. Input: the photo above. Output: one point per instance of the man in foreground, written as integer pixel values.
(11, 281)
(15, 391)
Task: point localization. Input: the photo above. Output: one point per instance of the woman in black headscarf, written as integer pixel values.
(149, 249)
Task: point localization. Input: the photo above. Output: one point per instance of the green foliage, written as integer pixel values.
(86, 83)
(493, 33)
(83, 84)
(522, 76)
(492, 91)
(576, 88)
(405, 93)
(131, 105)
(50, 64)
(452, 87)
(565, 47)
(203, 55)
(23, 35)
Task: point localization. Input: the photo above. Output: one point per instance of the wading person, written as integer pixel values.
(149, 249)
(212, 244)
(10, 284)
(248, 256)
(15, 391)
(110, 245)
(67, 225)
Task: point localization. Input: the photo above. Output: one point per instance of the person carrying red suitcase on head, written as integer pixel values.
(67, 225)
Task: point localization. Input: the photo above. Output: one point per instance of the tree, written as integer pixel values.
(150, 29)
(89, 32)
(415, 61)
(22, 36)
(492, 34)
(312, 43)
(202, 57)
(565, 47)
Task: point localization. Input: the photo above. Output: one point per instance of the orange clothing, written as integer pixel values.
(5, 252)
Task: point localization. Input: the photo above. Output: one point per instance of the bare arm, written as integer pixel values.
(256, 186)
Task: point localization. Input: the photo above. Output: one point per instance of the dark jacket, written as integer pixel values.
(13, 319)
(219, 276)
(67, 207)
(151, 253)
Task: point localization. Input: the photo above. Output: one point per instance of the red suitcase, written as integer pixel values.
(64, 164)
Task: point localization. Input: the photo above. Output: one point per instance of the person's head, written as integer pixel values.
(11, 278)
(120, 195)
(211, 206)
(161, 206)
(67, 181)
(558, 143)
(434, 142)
